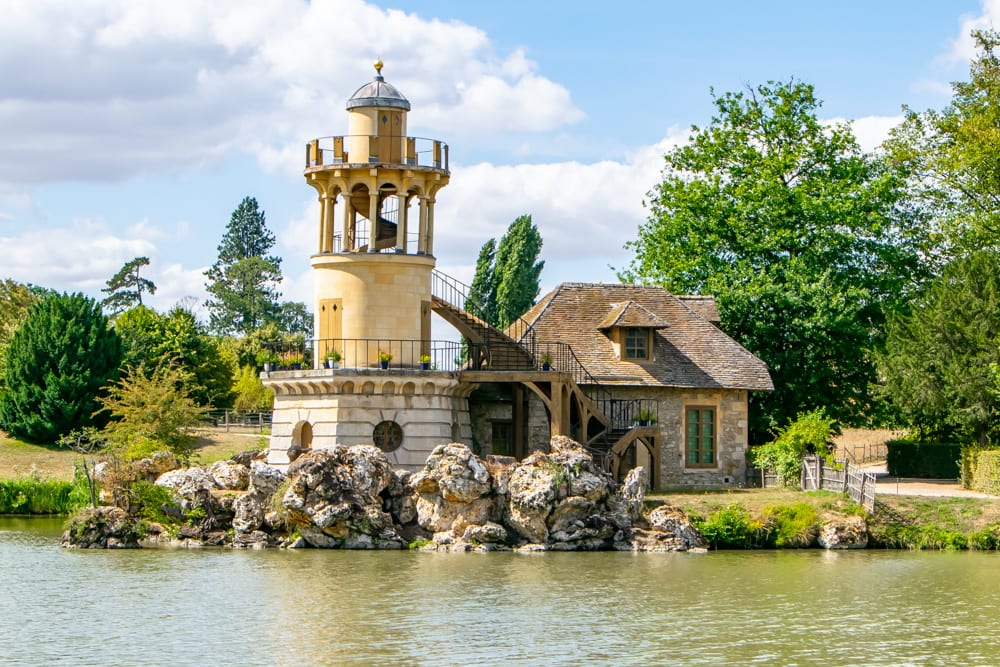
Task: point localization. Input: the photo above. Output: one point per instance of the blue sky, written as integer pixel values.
(135, 128)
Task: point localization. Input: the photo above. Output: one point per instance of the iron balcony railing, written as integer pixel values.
(374, 149)
(366, 353)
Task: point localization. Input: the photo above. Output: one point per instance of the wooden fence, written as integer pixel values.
(844, 477)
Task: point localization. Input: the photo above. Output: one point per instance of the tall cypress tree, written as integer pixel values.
(244, 280)
(506, 282)
(58, 363)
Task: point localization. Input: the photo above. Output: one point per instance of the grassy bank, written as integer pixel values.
(901, 522)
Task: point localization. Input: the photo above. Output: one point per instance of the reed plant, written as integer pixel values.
(33, 494)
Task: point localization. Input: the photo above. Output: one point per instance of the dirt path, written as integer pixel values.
(908, 486)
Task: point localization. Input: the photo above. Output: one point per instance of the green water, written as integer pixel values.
(308, 607)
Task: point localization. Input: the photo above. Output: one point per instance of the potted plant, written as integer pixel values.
(291, 360)
(546, 361)
(332, 359)
(645, 417)
(425, 362)
(384, 358)
(269, 360)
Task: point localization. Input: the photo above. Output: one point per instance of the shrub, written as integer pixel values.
(731, 527)
(927, 459)
(980, 469)
(791, 526)
(150, 414)
(57, 365)
(987, 539)
(810, 433)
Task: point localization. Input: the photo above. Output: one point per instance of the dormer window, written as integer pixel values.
(630, 327)
(636, 346)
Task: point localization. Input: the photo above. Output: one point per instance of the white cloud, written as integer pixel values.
(963, 48)
(870, 131)
(80, 257)
(105, 90)
(584, 212)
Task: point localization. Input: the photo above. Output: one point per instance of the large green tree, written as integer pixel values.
(506, 282)
(953, 154)
(15, 301)
(58, 363)
(125, 288)
(805, 241)
(243, 282)
(942, 358)
(176, 340)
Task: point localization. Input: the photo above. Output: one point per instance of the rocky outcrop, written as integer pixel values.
(564, 500)
(334, 498)
(102, 528)
(842, 532)
(454, 491)
(256, 521)
(347, 497)
(669, 530)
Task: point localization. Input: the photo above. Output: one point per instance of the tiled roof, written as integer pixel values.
(703, 305)
(631, 314)
(690, 352)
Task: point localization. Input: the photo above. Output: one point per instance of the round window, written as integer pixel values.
(388, 436)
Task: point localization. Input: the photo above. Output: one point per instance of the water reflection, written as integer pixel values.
(182, 607)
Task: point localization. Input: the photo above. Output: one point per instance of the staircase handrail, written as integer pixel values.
(457, 294)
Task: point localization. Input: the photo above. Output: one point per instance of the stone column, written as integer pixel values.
(348, 225)
(372, 221)
(422, 228)
(429, 228)
(401, 224)
(324, 220)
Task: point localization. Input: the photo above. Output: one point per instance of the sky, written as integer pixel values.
(134, 128)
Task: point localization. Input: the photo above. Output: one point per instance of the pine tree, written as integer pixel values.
(125, 288)
(244, 280)
(58, 363)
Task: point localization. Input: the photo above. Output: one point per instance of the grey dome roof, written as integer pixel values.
(378, 93)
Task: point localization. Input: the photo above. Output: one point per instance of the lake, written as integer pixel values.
(311, 607)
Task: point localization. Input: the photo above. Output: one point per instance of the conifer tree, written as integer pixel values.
(244, 280)
(125, 288)
(58, 363)
(506, 283)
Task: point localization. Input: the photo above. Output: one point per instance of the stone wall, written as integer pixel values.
(342, 407)
(731, 434)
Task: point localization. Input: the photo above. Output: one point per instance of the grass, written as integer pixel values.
(21, 459)
(909, 522)
(33, 495)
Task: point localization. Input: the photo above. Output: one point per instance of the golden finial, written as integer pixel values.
(378, 66)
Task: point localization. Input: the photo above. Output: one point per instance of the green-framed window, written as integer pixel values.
(700, 437)
(637, 343)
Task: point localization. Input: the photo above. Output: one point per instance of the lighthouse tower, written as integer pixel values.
(376, 376)
(373, 263)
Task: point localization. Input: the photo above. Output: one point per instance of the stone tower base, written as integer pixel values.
(405, 412)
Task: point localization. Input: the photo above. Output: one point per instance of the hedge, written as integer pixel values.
(932, 460)
(981, 470)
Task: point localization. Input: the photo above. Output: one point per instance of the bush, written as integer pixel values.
(987, 539)
(791, 526)
(981, 469)
(928, 459)
(57, 364)
(151, 414)
(810, 433)
(731, 527)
